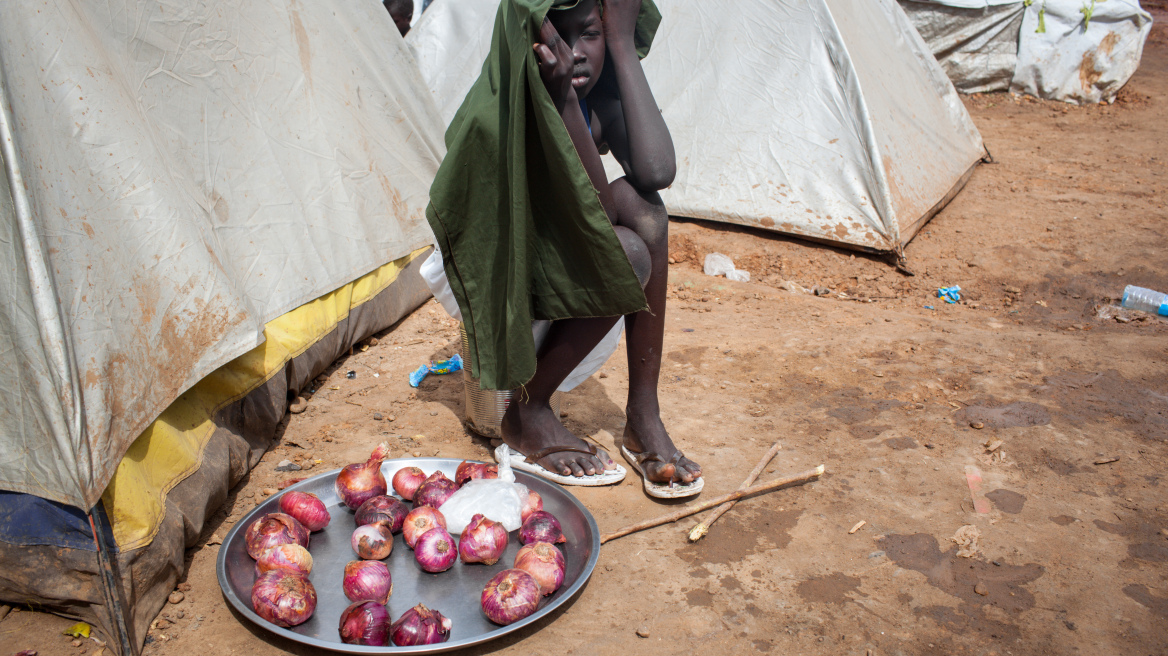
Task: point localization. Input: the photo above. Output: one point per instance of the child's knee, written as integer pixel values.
(637, 253)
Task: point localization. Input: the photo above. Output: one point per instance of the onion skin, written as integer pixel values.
(418, 521)
(435, 550)
(307, 508)
(367, 580)
(544, 562)
(420, 626)
(372, 541)
(360, 481)
(291, 557)
(482, 541)
(510, 596)
(541, 526)
(534, 502)
(407, 480)
(274, 529)
(382, 508)
(283, 598)
(468, 471)
(434, 491)
(365, 623)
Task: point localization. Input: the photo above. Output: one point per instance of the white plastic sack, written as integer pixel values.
(498, 499)
(1075, 61)
(717, 264)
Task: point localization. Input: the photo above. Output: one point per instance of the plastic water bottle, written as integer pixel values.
(1147, 300)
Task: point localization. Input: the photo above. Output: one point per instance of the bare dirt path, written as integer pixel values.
(1072, 556)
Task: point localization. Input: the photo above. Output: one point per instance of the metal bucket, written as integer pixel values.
(485, 408)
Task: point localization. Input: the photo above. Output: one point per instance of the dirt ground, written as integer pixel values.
(887, 393)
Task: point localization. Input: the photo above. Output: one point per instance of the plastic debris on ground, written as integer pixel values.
(930, 307)
(443, 367)
(718, 264)
(949, 294)
(78, 630)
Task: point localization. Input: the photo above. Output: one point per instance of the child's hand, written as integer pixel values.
(555, 64)
(620, 21)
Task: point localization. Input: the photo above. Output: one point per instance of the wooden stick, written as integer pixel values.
(700, 530)
(802, 477)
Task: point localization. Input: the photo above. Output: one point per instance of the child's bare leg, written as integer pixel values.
(645, 214)
(529, 425)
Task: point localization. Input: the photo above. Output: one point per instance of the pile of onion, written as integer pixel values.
(418, 521)
(407, 480)
(283, 598)
(365, 623)
(271, 530)
(468, 471)
(382, 508)
(541, 526)
(544, 562)
(367, 580)
(510, 596)
(420, 626)
(482, 541)
(358, 482)
(434, 491)
(373, 541)
(435, 550)
(291, 557)
(307, 508)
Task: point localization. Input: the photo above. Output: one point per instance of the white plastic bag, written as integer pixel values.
(498, 499)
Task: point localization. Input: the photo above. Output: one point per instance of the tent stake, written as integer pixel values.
(113, 589)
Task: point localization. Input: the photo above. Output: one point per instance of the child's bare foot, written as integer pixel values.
(532, 429)
(645, 433)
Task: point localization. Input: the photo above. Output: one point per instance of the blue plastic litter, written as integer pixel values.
(949, 294)
(442, 367)
(929, 307)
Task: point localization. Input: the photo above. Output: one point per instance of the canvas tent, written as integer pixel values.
(827, 119)
(202, 206)
(1045, 48)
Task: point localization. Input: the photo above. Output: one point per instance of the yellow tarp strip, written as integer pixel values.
(171, 448)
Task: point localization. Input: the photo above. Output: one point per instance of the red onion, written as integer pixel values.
(435, 550)
(357, 482)
(510, 596)
(367, 580)
(283, 598)
(365, 623)
(373, 541)
(541, 526)
(407, 480)
(533, 503)
(382, 508)
(434, 491)
(418, 521)
(471, 470)
(482, 541)
(273, 529)
(544, 562)
(420, 626)
(307, 508)
(291, 557)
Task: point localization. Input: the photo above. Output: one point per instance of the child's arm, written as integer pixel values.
(555, 67)
(637, 133)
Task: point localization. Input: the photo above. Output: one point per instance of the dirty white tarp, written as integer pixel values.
(1077, 61)
(176, 175)
(975, 41)
(828, 119)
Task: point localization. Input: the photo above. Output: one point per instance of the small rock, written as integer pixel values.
(161, 623)
(1070, 625)
(981, 588)
(433, 413)
(417, 454)
(930, 445)
(821, 291)
(287, 465)
(643, 632)
(269, 491)
(298, 406)
(602, 375)
(993, 445)
(176, 597)
(183, 587)
(391, 418)
(76, 643)
(976, 424)
(182, 614)
(373, 341)
(377, 416)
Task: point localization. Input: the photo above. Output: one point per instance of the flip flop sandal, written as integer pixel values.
(671, 490)
(530, 465)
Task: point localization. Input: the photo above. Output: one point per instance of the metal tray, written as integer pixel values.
(455, 593)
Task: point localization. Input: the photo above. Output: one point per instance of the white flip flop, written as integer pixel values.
(523, 463)
(662, 490)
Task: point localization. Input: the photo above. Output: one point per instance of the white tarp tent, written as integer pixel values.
(1045, 48)
(827, 119)
(175, 176)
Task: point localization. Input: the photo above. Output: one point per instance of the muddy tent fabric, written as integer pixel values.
(975, 41)
(827, 119)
